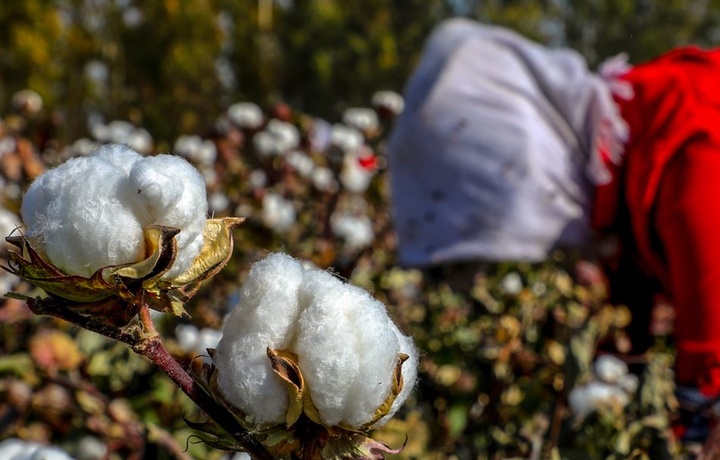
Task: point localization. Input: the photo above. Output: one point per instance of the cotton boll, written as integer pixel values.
(100, 132)
(258, 178)
(390, 101)
(610, 369)
(50, 453)
(326, 346)
(409, 374)
(361, 118)
(356, 231)
(119, 131)
(264, 317)
(277, 213)
(266, 144)
(629, 383)
(187, 336)
(269, 298)
(81, 147)
(594, 396)
(353, 176)
(208, 338)
(90, 212)
(347, 346)
(81, 214)
(91, 448)
(247, 379)
(172, 193)
(139, 139)
(206, 154)
(301, 163)
(323, 180)
(511, 283)
(245, 115)
(218, 202)
(347, 349)
(349, 139)
(17, 449)
(286, 135)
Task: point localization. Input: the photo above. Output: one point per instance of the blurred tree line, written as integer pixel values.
(173, 65)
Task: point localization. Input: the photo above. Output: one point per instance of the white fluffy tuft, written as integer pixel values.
(347, 346)
(265, 317)
(90, 212)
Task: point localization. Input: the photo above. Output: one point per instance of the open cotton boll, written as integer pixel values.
(269, 298)
(388, 100)
(347, 138)
(353, 176)
(264, 317)
(277, 212)
(81, 216)
(172, 192)
(245, 115)
(596, 395)
(356, 231)
(361, 118)
(90, 212)
(610, 369)
(347, 349)
(346, 345)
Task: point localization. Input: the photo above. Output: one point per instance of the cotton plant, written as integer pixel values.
(98, 225)
(610, 389)
(113, 235)
(303, 352)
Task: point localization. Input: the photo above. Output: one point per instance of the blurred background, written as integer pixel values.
(284, 106)
(171, 65)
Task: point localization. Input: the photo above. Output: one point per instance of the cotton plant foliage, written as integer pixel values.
(357, 367)
(115, 214)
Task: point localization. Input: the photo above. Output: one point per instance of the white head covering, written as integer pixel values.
(495, 155)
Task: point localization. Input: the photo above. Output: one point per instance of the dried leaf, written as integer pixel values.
(215, 253)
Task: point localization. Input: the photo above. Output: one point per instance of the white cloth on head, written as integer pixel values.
(496, 155)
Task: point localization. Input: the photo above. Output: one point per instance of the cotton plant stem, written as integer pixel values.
(147, 343)
(153, 349)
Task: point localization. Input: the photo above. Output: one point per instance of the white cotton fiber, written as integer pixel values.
(347, 350)
(172, 192)
(90, 212)
(265, 317)
(409, 374)
(347, 346)
(82, 217)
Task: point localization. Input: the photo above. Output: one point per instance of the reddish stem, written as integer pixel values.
(153, 349)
